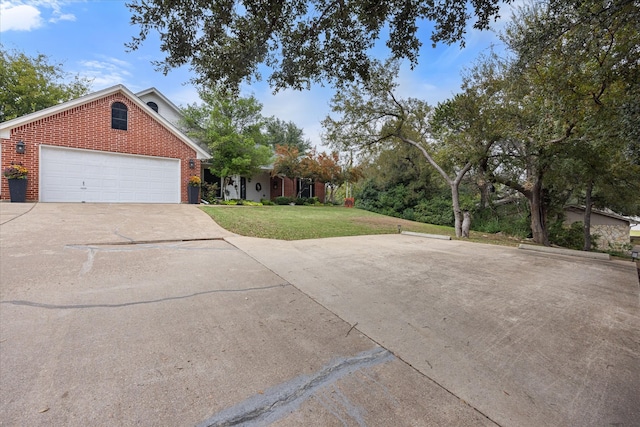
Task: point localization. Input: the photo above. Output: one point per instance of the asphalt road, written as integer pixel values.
(154, 315)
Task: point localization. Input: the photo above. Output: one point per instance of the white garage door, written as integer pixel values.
(70, 175)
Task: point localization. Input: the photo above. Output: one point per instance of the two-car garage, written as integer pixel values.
(110, 146)
(76, 175)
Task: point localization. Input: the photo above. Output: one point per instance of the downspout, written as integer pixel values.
(282, 186)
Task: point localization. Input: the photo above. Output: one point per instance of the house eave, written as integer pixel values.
(6, 127)
(581, 209)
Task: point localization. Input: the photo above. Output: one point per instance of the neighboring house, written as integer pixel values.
(613, 231)
(109, 146)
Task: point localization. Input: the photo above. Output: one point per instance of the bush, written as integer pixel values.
(266, 202)
(438, 211)
(282, 200)
(510, 220)
(571, 237)
(208, 192)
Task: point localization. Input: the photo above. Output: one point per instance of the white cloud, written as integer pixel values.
(28, 15)
(63, 17)
(19, 17)
(105, 71)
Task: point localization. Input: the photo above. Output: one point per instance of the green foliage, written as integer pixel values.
(571, 237)
(303, 41)
(231, 127)
(511, 220)
(399, 201)
(239, 202)
(208, 192)
(437, 211)
(283, 200)
(29, 84)
(266, 202)
(278, 132)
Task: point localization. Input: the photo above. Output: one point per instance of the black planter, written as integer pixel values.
(194, 195)
(18, 190)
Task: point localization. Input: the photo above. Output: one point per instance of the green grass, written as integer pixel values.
(635, 233)
(312, 222)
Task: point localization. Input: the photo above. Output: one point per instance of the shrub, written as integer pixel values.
(208, 192)
(510, 220)
(266, 202)
(436, 211)
(282, 200)
(571, 237)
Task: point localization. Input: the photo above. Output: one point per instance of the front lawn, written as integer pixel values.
(312, 222)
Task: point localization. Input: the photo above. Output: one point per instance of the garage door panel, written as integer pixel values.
(94, 176)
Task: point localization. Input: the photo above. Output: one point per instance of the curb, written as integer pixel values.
(429, 236)
(560, 251)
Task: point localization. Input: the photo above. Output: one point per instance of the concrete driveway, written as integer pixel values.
(154, 315)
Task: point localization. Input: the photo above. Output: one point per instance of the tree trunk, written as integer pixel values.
(457, 213)
(453, 183)
(538, 216)
(587, 218)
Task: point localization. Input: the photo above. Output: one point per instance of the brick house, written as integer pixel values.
(264, 186)
(287, 187)
(109, 146)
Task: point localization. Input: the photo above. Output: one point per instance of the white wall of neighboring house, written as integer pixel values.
(166, 110)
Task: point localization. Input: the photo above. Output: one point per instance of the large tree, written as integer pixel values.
(302, 41)
(575, 72)
(328, 168)
(370, 113)
(29, 84)
(231, 127)
(278, 132)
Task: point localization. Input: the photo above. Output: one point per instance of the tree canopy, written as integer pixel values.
(549, 120)
(29, 84)
(232, 128)
(278, 132)
(302, 41)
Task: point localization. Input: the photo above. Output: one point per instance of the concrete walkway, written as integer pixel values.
(154, 315)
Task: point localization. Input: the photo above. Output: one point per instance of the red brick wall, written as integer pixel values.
(290, 188)
(318, 191)
(89, 126)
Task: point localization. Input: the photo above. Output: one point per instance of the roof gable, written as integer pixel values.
(166, 108)
(6, 127)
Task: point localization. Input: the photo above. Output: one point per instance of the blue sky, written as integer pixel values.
(88, 38)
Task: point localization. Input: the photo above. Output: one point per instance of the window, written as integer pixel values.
(153, 106)
(118, 116)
